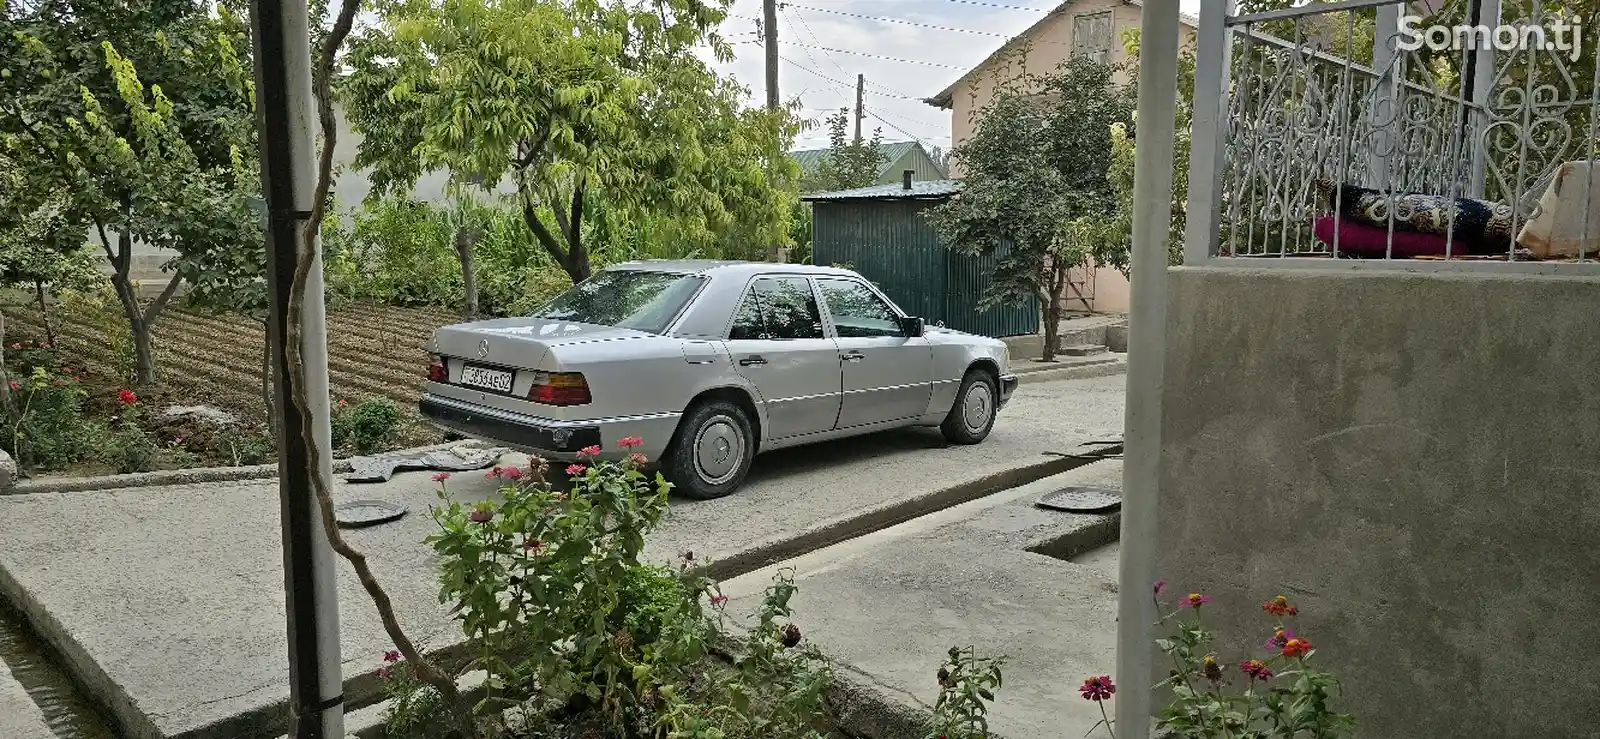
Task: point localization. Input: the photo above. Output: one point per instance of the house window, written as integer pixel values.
(1091, 36)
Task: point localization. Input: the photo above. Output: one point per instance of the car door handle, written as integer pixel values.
(752, 361)
(853, 356)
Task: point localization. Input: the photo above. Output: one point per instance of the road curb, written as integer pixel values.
(1115, 365)
(181, 477)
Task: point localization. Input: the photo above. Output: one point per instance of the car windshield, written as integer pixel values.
(638, 299)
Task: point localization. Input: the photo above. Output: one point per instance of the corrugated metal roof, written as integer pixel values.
(811, 159)
(896, 191)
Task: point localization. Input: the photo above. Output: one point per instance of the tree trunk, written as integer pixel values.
(467, 238)
(266, 372)
(6, 401)
(144, 355)
(1052, 310)
(44, 314)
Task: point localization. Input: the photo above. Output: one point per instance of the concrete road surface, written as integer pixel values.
(168, 602)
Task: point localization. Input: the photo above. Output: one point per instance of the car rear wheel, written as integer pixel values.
(712, 451)
(972, 416)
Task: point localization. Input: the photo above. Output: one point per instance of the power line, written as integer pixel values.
(842, 85)
(910, 120)
(1002, 6)
(808, 51)
(817, 39)
(901, 21)
(884, 57)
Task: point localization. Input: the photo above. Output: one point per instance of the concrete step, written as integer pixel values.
(1083, 350)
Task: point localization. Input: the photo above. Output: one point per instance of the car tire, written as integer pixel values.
(972, 415)
(712, 451)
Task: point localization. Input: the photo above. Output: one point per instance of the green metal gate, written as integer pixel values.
(891, 243)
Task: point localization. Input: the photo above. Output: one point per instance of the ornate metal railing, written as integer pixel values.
(1319, 133)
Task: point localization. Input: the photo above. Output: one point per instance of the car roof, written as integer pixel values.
(714, 267)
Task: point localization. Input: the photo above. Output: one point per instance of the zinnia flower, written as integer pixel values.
(480, 516)
(791, 636)
(391, 656)
(496, 472)
(127, 397)
(590, 451)
(637, 459)
(1279, 638)
(575, 469)
(629, 442)
(718, 599)
(1211, 669)
(15, 386)
(511, 473)
(1195, 600)
(441, 476)
(1161, 586)
(1296, 647)
(1280, 606)
(1256, 669)
(1098, 689)
(533, 545)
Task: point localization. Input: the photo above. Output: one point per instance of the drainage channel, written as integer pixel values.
(35, 677)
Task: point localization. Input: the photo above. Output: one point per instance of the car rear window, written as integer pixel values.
(638, 299)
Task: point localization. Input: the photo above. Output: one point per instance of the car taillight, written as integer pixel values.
(559, 388)
(437, 372)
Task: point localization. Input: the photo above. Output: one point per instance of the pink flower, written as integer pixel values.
(590, 451)
(511, 473)
(1194, 600)
(575, 469)
(391, 656)
(628, 442)
(638, 460)
(718, 599)
(481, 516)
(492, 474)
(1098, 689)
(1256, 669)
(15, 386)
(441, 476)
(1161, 586)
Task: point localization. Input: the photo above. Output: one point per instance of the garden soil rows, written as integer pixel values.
(373, 351)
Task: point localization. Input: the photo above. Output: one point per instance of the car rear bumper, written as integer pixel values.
(549, 438)
(1008, 385)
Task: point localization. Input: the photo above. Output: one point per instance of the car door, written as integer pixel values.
(777, 342)
(888, 376)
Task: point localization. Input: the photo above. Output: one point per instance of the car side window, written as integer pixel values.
(777, 308)
(857, 311)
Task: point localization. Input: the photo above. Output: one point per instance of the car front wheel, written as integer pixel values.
(712, 451)
(972, 416)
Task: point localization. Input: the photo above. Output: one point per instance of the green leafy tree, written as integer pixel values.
(1122, 158)
(850, 162)
(146, 134)
(1038, 194)
(579, 106)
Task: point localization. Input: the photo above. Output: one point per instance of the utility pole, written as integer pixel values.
(288, 179)
(769, 33)
(861, 105)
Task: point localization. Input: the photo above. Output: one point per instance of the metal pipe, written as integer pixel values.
(1152, 213)
(285, 111)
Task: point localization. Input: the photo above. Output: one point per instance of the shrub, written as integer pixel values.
(97, 305)
(550, 588)
(47, 430)
(369, 425)
(129, 449)
(966, 688)
(247, 447)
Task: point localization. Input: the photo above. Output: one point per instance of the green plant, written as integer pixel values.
(966, 688)
(369, 425)
(47, 429)
(775, 668)
(247, 448)
(1279, 695)
(129, 449)
(96, 305)
(415, 709)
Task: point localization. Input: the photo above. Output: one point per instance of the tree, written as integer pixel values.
(578, 105)
(1122, 146)
(849, 162)
(146, 134)
(1037, 193)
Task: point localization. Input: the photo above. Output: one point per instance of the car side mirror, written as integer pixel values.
(912, 326)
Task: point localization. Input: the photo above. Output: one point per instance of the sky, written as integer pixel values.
(908, 50)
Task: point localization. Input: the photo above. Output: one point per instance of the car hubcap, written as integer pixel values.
(977, 407)
(718, 450)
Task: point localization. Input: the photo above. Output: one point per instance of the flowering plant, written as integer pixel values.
(1278, 695)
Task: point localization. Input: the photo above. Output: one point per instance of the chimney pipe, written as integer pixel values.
(906, 176)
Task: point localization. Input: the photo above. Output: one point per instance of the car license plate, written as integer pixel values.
(488, 379)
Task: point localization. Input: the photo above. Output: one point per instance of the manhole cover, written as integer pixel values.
(359, 513)
(1081, 500)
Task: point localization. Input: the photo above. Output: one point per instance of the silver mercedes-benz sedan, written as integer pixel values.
(710, 363)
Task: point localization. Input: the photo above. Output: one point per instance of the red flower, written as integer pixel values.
(575, 469)
(481, 516)
(491, 474)
(1279, 638)
(1098, 689)
(1256, 669)
(391, 656)
(15, 386)
(511, 473)
(718, 599)
(533, 545)
(1280, 606)
(342, 403)
(1194, 600)
(441, 476)
(1297, 647)
(629, 442)
(127, 397)
(590, 451)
